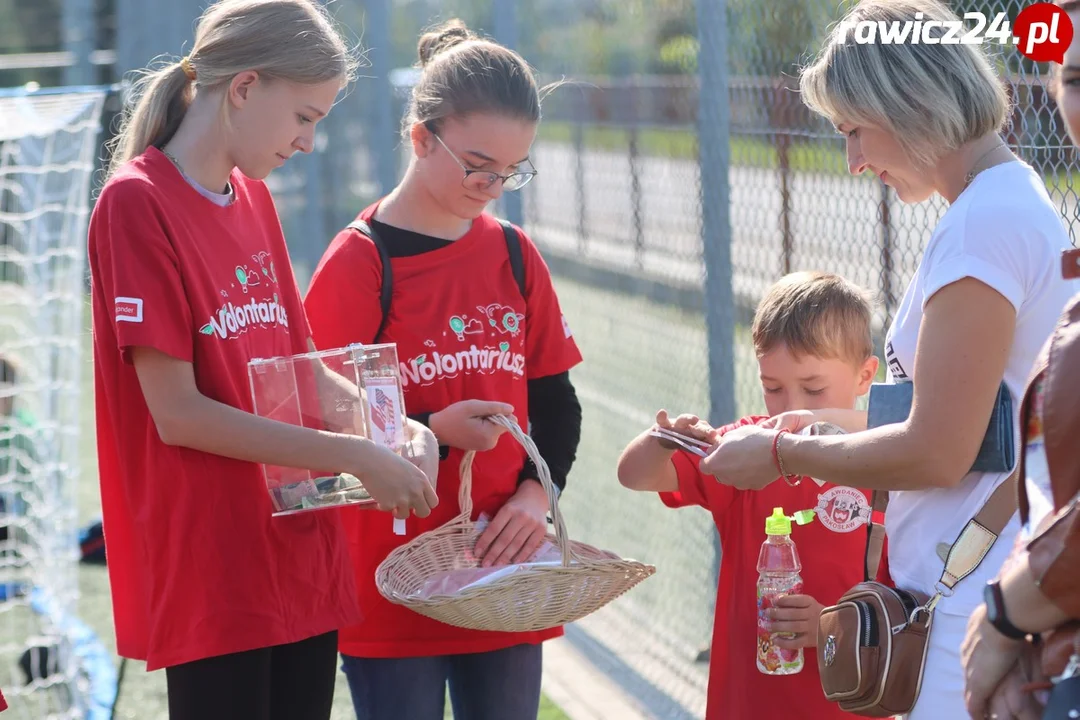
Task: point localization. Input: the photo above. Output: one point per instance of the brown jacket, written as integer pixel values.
(1054, 552)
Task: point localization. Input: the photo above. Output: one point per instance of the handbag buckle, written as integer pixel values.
(929, 605)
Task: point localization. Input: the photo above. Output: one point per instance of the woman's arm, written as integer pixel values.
(1026, 605)
(185, 417)
(963, 348)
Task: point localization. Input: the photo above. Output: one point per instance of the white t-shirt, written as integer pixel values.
(1004, 231)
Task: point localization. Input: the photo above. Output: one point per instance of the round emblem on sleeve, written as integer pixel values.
(843, 509)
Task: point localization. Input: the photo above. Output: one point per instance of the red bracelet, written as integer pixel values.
(791, 480)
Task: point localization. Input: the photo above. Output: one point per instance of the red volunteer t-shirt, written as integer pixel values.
(832, 551)
(463, 331)
(197, 564)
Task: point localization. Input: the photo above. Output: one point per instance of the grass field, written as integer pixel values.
(142, 694)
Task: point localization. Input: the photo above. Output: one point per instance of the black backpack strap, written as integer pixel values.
(387, 272)
(513, 247)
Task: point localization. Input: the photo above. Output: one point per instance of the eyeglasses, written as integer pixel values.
(484, 179)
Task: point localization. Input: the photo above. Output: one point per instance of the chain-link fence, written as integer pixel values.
(679, 176)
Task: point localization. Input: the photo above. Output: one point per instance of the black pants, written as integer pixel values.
(285, 682)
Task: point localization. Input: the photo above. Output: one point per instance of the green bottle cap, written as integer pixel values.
(803, 517)
(778, 523)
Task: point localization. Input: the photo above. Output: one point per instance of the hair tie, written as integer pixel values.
(188, 68)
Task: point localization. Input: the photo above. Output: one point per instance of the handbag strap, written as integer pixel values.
(971, 546)
(875, 541)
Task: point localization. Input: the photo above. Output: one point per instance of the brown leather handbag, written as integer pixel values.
(872, 643)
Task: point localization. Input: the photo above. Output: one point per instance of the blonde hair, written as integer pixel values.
(815, 313)
(462, 73)
(292, 40)
(932, 97)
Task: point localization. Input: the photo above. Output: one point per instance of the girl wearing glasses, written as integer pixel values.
(471, 344)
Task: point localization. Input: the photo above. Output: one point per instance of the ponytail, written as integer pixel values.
(162, 99)
(292, 40)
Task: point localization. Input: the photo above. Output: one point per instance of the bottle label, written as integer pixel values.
(771, 659)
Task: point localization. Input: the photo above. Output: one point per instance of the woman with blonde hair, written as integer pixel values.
(191, 280)
(925, 118)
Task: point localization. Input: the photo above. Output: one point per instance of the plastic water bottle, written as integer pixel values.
(778, 575)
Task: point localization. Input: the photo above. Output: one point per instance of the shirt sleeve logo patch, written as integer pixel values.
(843, 509)
(129, 309)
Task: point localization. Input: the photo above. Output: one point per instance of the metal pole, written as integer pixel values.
(579, 178)
(506, 33)
(783, 163)
(713, 138)
(80, 37)
(714, 118)
(384, 145)
(886, 255)
(316, 237)
(637, 205)
(128, 16)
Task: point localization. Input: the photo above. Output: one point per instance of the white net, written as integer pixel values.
(48, 142)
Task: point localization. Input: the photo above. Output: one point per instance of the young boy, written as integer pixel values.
(813, 341)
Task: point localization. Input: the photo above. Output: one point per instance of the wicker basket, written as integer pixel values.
(532, 598)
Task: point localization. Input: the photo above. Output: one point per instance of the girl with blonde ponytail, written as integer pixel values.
(190, 281)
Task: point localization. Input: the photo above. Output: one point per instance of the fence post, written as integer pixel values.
(80, 37)
(886, 255)
(636, 202)
(783, 163)
(382, 138)
(506, 33)
(579, 176)
(130, 16)
(316, 235)
(714, 132)
(713, 141)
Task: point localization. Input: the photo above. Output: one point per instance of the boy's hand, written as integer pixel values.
(798, 420)
(689, 425)
(796, 614)
(792, 421)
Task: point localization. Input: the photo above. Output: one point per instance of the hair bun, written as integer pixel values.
(451, 33)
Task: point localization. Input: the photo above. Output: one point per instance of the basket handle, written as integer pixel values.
(465, 491)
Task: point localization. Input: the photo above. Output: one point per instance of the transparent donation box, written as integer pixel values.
(354, 390)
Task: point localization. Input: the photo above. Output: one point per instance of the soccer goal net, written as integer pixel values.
(49, 140)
